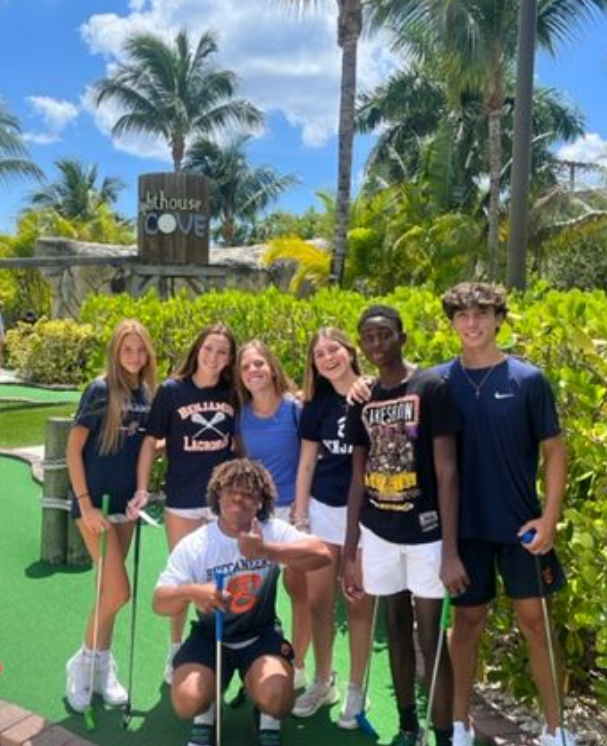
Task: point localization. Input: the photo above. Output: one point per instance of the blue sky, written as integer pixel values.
(52, 50)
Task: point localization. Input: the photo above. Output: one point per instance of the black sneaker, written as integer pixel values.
(406, 738)
(202, 735)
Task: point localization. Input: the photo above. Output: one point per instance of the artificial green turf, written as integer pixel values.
(42, 617)
(23, 425)
(10, 391)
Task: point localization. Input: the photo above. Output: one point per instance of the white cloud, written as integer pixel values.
(590, 148)
(287, 62)
(56, 114)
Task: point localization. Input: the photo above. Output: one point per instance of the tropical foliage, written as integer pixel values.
(14, 159)
(175, 92)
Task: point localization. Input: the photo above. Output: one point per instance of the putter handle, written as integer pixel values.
(220, 578)
(445, 612)
(105, 509)
(528, 536)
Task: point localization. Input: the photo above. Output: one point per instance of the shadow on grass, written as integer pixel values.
(39, 570)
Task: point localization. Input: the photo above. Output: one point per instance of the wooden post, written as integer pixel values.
(55, 489)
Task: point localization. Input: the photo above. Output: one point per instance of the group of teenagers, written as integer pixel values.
(407, 486)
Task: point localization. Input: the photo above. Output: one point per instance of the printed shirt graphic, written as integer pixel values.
(251, 582)
(398, 426)
(198, 424)
(323, 421)
(498, 448)
(113, 473)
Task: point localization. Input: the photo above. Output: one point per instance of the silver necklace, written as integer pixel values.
(478, 386)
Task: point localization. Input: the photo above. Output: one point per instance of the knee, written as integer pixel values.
(533, 628)
(117, 598)
(186, 705)
(468, 625)
(276, 697)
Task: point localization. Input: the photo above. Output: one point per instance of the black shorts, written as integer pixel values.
(516, 567)
(199, 648)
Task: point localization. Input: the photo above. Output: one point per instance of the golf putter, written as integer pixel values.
(527, 538)
(444, 624)
(89, 715)
(126, 716)
(219, 584)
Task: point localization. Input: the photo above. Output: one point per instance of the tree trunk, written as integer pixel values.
(495, 168)
(349, 27)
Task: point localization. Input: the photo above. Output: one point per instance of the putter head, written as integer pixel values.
(89, 718)
(126, 715)
(365, 725)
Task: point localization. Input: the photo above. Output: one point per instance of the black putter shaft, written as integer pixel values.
(126, 717)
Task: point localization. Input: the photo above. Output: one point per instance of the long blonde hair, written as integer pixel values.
(282, 384)
(118, 386)
(312, 378)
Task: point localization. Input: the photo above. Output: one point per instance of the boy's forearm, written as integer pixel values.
(307, 554)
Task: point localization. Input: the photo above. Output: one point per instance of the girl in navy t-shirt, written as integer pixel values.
(323, 481)
(102, 451)
(268, 424)
(194, 413)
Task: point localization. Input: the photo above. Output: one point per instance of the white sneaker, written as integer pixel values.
(318, 694)
(106, 681)
(300, 679)
(353, 706)
(168, 669)
(560, 738)
(462, 736)
(78, 691)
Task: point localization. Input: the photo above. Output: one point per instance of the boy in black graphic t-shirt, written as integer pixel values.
(248, 547)
(403, 499)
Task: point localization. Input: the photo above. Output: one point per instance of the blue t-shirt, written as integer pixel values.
(499, 445)
(274, 441)
(113, 474)
(198, 424)
(323, 421)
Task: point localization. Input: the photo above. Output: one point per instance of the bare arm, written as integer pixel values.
(555, 479)
(453, 573)
(308, 455)
(91, 517)
(351, 580)
(171, 600)
(147, 453)
(307, 554)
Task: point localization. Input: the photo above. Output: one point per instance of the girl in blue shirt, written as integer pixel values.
(268, 424)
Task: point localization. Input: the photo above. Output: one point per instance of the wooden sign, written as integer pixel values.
(173, 219)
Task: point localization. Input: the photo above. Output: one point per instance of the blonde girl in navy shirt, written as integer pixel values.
(102, 453)
(193, 412)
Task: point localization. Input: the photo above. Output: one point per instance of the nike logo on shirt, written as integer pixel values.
(499, 395)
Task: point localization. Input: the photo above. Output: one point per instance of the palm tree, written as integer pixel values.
(75, 194)
(14, 160)
(349, 29)
(478, 41)
(238, 191)
(174, 91)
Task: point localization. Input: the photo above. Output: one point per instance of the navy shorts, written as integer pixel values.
(516, 566)
(200, 649)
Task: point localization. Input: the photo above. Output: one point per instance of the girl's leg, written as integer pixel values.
(176, 528)
(360, 619)
(295, 583)
(321, 593)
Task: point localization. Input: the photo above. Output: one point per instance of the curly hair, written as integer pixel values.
(475, 295)
(247, 475)
(383, 312)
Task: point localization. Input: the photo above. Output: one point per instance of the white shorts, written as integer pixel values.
(328, 522)
(283, 512)
(391, 568)
(193, 514)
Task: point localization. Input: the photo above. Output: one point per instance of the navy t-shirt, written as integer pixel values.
(398, 426)
(275, 443)
(198, 424)
(323, 421)
(499, 445)
(113, 474)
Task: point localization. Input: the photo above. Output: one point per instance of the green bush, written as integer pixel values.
(563, 332)
(51, 352)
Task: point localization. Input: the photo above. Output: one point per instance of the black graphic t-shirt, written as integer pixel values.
(397, 426)
(323, 421)
(113, 474)
(198, 424)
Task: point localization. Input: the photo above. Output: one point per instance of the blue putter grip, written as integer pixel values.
(528, 536)
(220, 585)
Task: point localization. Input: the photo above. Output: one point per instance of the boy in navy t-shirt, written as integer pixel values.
(509, 415)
